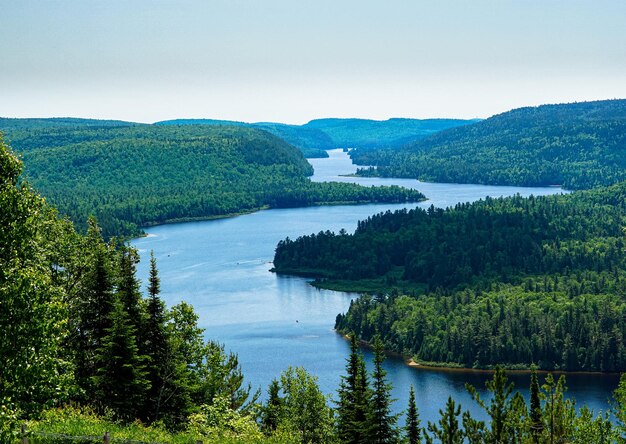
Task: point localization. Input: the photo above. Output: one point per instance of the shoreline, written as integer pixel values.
(455, 368)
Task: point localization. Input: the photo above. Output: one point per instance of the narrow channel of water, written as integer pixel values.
(221, 267)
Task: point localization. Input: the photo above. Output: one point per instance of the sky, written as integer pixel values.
(291, 60)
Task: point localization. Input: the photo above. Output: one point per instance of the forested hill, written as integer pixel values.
(312, 142)
(577, 145)
(515, 280)
(130, 176)
(391, 133)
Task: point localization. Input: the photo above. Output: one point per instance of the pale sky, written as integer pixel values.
(292, 61)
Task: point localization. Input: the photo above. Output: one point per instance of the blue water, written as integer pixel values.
(221, 267)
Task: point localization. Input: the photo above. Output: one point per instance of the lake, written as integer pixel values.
(222, 266)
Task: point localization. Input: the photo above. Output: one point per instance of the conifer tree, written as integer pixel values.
(271, 413)
(536, 418)
(121, 382)
(354, 405)
(91, 316)
(128, 287)
(383, 423)
(448, 430)
(413, 432)
(160, 366)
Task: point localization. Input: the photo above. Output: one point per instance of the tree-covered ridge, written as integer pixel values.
(560, 322)
(494, 239)
(507, 281)
(312, 142)
(392, 133)
(576, 145)
(133, 176)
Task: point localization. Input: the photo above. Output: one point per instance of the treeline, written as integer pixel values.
(130, 176)
(568, 323)
(509, 281)
(577, 145)
(312, 142)
(494, 239)
(366, 134)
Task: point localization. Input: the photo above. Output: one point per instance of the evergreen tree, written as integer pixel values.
(354, 405)
(383, 423)
(121, 382)
(160, 367)
(92, 312)
(536, 418)
(499, 408)
(448, 430)
(128, 287)
(413, 431)
(272, 410)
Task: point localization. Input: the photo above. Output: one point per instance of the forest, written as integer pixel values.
(576, 145)
(130, 175)
(84, 352)
(510, 280)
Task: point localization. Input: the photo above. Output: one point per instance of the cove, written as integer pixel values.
(222, 266)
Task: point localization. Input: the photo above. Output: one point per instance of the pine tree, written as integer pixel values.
(536, 418)
(128, 287)
(121, 383)
(448, 430)
(90, 316)
(160, 366)
(413, 431)
(354, 405)
(383, 423)
(272, 410)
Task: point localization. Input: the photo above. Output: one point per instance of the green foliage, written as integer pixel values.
(383, 422)
(413, 431)
(34, 371)
(305, 408)
(577, 145)
(448, 430)
(500, 408)
(312, 142)
(354, 406)
(392, 133)
(131, 176)
(511, 281)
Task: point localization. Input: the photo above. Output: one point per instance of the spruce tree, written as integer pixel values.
(121, 383)
(128, 287)
(156, 346)
(413, 432)
(354, 405)
(448, 430)
(90, 315)
(383, 423)
(272, 410)
(536, 417)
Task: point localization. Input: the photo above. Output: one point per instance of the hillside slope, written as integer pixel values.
(310, 141)
(577, 145)
(130, 176)
(391, 133)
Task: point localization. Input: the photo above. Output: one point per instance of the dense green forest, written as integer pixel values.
(576, 145)
(312, 142)
(556, 263)
(392, 133)
(85, 352)
(130, 175)
(318, 135)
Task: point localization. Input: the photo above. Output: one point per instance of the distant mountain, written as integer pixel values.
(312, 142)
(577, 145)
(392, 133)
